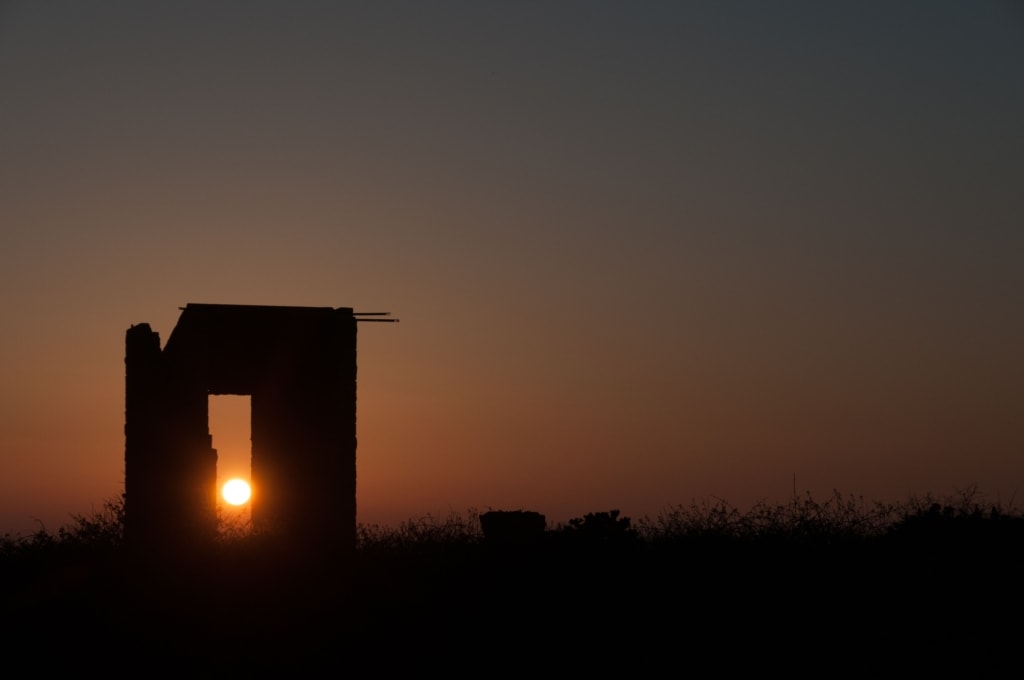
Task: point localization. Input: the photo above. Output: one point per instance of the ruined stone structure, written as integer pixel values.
(298, 364)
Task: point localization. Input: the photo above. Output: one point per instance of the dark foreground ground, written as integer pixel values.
(912, 596)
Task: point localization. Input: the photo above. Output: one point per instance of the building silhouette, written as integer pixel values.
(298, 365)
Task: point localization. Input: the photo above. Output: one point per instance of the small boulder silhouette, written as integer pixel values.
(512, 526)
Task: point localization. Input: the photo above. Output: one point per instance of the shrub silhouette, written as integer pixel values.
(801, 520)
(601, 527)
(425, 533)
(103, 528)
(960, 522)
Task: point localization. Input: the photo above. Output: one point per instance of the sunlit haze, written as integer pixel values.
(642, 253)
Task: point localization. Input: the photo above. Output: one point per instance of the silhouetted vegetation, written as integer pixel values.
(803, 521)
(699, 569)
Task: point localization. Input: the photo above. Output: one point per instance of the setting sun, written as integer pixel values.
(236, 491)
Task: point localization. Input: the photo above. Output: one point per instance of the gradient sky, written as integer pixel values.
(642, 252)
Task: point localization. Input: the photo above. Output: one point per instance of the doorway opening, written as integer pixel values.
(230, 426)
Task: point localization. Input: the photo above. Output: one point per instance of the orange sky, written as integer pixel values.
(640, 254)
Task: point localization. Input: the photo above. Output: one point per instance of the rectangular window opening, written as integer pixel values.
(230, 426)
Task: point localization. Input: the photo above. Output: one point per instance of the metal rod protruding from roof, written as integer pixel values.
(359, 314)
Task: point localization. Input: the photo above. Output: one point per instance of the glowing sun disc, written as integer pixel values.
(236, 491)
